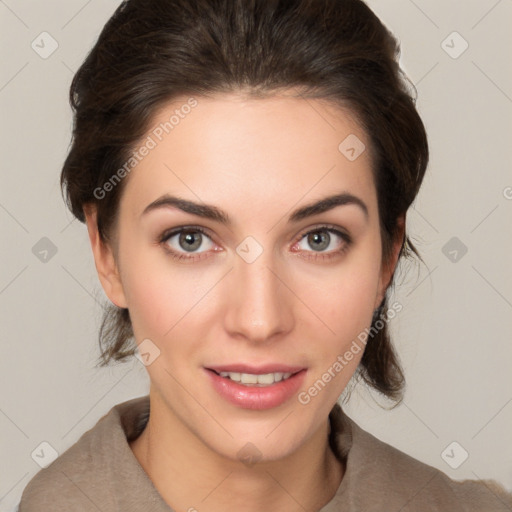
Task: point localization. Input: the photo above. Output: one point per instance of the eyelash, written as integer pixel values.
(167, 235)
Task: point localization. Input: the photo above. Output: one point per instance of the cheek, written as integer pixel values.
(345, 304)
(344, 301)
(152, 292)
(166, 300)
(347, 294)
(346, 308)
(151, 306)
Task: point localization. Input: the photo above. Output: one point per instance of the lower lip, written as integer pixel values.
(254, 397)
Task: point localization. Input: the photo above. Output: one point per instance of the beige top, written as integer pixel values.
(100, 473)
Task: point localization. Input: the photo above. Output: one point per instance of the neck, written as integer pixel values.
(189, 475)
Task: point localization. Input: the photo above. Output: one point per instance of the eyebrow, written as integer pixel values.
(213, 213)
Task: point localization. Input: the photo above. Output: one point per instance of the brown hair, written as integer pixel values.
(151, 51)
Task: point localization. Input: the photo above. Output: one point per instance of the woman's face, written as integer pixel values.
(260, 289)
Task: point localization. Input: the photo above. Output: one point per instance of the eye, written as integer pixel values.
(184, 243)
(178, 242)
(327, 241)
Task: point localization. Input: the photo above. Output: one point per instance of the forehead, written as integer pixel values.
(269, 151)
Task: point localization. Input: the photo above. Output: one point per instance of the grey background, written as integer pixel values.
(453, 334)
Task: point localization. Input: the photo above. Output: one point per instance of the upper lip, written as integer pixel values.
(255, 370)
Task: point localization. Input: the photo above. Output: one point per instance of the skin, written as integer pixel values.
(256, 159)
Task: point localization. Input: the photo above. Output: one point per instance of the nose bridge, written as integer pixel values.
(258, 307)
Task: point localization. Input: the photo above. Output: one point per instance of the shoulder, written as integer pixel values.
(76, 479)
(377, 474)
(424, 487)
(482, 495)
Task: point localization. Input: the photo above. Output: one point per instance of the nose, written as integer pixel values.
(259, 307)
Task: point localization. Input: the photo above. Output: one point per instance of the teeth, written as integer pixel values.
(266, 379)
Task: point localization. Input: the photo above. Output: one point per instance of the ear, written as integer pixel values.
(104, 260)
(388, 267)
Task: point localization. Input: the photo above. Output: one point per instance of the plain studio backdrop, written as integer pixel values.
(453, 333)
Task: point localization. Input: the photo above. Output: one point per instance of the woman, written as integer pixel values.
(244, 169)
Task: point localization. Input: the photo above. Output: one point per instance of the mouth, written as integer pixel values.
(255, 379)
(248, 387)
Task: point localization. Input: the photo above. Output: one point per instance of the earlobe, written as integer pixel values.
(104, 260)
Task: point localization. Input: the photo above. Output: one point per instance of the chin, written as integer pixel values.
(269, 439)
